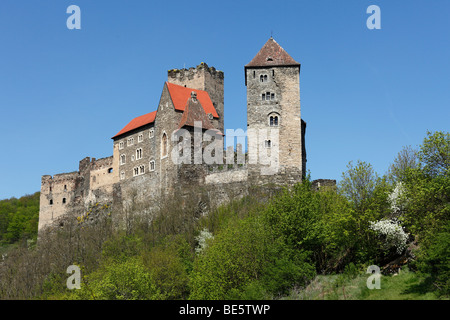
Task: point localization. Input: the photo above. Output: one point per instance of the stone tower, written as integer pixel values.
(203, 78)
(274, 124)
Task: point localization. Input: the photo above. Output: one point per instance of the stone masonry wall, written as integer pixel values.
(283, 83)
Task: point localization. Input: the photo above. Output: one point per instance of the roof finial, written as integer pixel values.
(271, 34)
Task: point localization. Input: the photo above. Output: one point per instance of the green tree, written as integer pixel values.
(125, 280)
(434, 153)
(407, 158)
(232, 260)
(358, 184)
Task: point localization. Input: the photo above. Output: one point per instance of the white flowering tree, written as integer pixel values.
(392, 232)
(202, 239)
(397, 198)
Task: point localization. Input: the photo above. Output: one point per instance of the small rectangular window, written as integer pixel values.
(64, 200)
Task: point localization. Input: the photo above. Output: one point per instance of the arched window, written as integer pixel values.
(164, 145)
(139, 154)
(152, 165)
(273, 119)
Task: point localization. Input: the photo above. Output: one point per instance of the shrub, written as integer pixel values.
(126, 280)
(435, 260)
(235, 257)
(392, 232)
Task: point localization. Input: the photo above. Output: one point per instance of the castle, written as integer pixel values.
(154, 155)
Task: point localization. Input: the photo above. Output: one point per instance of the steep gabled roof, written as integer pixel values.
(180, 96)
(194, 111)
(272, 54)
(137, 123)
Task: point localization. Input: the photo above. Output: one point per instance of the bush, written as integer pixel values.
(234, 258)
(127, 280)
(435, 260)
(168, 265)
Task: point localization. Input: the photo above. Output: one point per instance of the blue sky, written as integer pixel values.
(364, 93)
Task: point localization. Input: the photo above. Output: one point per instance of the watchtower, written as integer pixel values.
(274, 122)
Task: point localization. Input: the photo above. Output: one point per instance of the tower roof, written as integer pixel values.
(272, 54)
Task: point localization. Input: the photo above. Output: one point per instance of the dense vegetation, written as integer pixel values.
(268, 245)
(19, 219)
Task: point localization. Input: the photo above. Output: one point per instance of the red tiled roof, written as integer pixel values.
(180, 96)
(138, 122)
(272, 54)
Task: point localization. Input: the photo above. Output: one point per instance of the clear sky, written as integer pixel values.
(364, 93)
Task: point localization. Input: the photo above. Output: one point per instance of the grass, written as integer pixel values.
(406, 285)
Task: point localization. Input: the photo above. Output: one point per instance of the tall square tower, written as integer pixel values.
(272, 79)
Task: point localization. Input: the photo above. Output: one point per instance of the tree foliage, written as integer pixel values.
(19, 218)
(258, 247)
